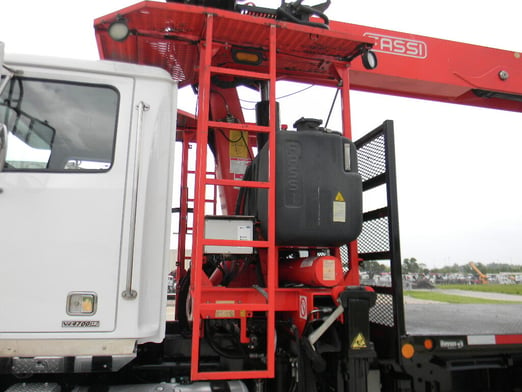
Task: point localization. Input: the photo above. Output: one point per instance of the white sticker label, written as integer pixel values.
(238, 165)
(328, 269)
(339, 211)
(244, 233)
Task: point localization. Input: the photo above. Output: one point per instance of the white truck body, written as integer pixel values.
(84, 229)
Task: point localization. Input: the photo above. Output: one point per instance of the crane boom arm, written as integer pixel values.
(483, 278)
(435, 69)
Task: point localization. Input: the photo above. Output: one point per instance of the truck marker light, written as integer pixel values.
(407, 350)
(428, 344)
(81, 304)
(248, 57)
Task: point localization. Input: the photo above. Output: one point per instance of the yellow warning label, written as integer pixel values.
(359, 342)
(238, 145)
(339, 197)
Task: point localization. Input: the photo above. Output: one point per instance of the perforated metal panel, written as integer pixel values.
(345, 258)
(379, 239)
(372, 160)
(374, 236)
(382, 311)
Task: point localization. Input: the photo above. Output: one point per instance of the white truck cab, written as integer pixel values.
(86, 153)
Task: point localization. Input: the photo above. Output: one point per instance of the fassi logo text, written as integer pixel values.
(399, 46)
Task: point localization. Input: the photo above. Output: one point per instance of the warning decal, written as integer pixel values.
(339, 209)
(303, 307)
(328, 269)
(238, 145)
(238, 151)
(359, 342)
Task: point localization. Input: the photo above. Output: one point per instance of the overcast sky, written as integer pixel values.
(459, 192)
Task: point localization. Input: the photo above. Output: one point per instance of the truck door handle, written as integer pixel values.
(129, 292)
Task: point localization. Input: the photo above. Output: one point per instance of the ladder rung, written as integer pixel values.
(209, 173)
(235, 243)
(222, 302)
(236, 375)
(238, 183)
(240, 72)
(246, 306)
(224, 299)
(250, 127)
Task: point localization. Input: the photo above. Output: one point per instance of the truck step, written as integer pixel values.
(34, 387)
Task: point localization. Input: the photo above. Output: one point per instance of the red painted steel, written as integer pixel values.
(318, 271)
(508, 339)
(435, 69)
(193, 43)
(197, 274)
(184, 210)
(209, 302)
(229, 146)
(189, 49)
(167, 35)
(272, 251)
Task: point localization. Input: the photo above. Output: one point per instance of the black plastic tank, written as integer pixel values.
(318, 188)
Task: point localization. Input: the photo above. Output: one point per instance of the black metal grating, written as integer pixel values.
(382, 312)
(345, 258)
(371, 159)
(374, 236)
(379, 239)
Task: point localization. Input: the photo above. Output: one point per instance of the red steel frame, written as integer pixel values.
(409, 65)
(204, 297)
(444, 71)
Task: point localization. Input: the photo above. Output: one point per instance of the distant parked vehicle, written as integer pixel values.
(171, 283)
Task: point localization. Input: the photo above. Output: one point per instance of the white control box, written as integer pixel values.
(229, 227)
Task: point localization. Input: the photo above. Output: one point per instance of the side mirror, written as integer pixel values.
(33, 132)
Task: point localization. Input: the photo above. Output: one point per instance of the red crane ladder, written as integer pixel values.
(233, 302)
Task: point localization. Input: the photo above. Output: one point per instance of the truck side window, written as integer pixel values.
(57, 126)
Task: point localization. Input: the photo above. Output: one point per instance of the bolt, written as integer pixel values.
(503, 75)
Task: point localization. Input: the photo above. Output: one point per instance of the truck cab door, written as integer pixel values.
(62, 202)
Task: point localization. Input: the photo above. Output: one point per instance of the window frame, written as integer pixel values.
(8, 169)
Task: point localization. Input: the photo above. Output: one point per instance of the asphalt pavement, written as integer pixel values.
(436, 318)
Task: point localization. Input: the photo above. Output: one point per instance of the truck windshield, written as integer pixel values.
(59, 126)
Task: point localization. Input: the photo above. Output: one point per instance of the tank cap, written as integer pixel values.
(308, 124)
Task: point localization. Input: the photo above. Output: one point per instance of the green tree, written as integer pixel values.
(373, 268)
(410, 265)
